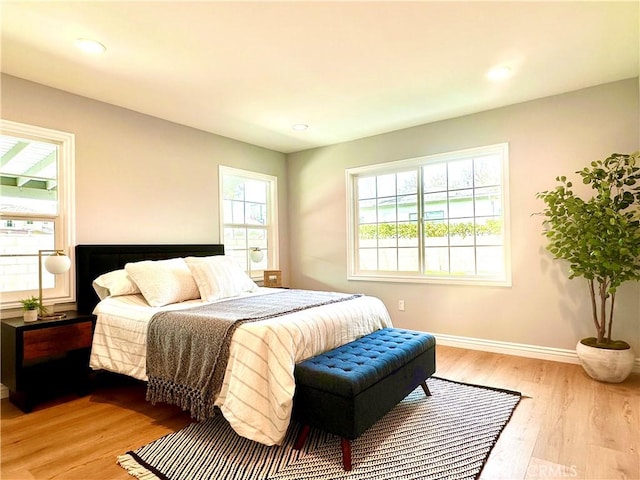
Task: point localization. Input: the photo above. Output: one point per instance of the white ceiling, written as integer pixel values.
(249, 70)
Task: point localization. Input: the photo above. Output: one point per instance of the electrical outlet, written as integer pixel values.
(401, 305)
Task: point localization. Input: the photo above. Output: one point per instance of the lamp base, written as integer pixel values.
(53, 316)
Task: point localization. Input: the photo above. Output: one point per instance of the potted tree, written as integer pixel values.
(600, 238)
(30, 306)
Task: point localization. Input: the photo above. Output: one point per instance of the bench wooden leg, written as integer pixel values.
(346, 453)
(427, 392)
(345, 444)
(302, 436)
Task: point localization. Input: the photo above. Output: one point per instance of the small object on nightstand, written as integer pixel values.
(30, 306)
(273, 278)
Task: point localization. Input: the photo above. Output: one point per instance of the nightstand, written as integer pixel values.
(43, 358)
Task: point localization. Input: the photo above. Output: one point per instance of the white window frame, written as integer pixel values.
(273, 256)
(64, 289)
(352, 175)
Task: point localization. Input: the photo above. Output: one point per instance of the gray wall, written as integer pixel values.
(140, 179)
(547, 137)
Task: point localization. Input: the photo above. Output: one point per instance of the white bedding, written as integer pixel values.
(257, 392)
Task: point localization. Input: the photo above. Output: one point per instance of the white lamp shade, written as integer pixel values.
(256, 255)
(57, 264)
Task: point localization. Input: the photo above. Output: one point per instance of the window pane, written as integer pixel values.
(436, 206)
(435, 177)
(436, 233)
(256, 213)
(388, 258)
(408, 234)
(488, 201)
(237, 212)
(387, 234)
(489, 231)
(235, 238)
(436, 261)
(408, 207)
(256, 191)
(29, 176)
(463, 261)
(368, 259)
(368, 235)
(487, 170)
(367, 187)
(24, 237)
(234, 211)
(367, 211)
(408, 259)
(245, 201)
(460, 174)
(462, 231)
(407, 182)
(386, 185)
(461, 203)
(257, 237)
(387, 209)
(233, 188)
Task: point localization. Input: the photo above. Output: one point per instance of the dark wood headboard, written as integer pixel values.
(94, 260)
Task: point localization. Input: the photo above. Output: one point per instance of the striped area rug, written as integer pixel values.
(448, 435)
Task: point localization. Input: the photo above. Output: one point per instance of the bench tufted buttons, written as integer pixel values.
(355, 366)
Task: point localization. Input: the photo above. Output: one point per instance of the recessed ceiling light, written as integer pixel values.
(90, 46)
(499, 73)
(299, 127)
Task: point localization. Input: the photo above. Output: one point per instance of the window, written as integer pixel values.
(248, 216)
(36, 210)
(441, 218)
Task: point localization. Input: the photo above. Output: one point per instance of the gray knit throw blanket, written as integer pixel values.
(188, 350)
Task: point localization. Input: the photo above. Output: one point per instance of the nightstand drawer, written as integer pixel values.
(46, 342)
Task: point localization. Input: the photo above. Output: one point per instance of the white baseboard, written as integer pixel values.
(4, 391)
(518, 349)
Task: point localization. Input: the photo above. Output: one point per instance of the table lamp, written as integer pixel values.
(56, 263)
(255, 256)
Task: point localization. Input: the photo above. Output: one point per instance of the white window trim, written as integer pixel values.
(389, 167)
(273, 255)
(64, 290)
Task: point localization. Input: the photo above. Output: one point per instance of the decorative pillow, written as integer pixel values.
(219, 277)
(114, 283)
(162, 282)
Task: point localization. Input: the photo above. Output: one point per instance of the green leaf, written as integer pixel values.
(598, 234)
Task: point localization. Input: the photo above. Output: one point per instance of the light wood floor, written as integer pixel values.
(567, 426)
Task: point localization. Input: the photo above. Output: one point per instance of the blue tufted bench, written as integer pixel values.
(346, 390)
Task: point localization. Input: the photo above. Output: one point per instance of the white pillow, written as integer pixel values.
(219, 277)
(114, 283)
(162, 282)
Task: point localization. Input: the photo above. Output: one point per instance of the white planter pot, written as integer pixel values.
(611, 366)
(30, 315)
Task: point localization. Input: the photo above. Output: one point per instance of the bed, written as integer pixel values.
(256, 389)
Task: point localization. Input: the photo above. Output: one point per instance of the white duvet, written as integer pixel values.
(257, 392)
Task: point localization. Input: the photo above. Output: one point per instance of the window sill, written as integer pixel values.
(466, 281)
